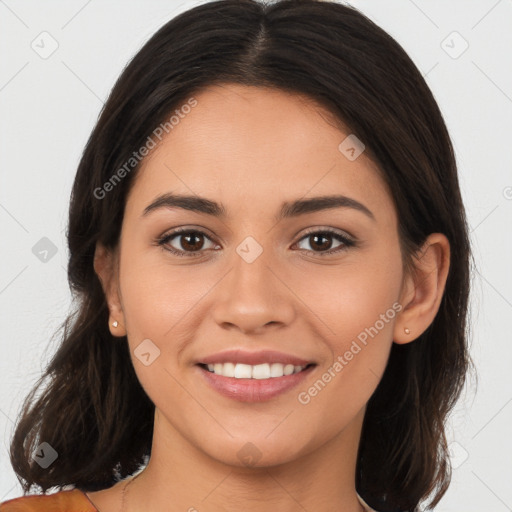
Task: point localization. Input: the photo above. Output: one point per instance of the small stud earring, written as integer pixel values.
(115, 324)
(407, 331)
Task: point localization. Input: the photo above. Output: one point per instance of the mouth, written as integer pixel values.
(253, 383)
(257, 371)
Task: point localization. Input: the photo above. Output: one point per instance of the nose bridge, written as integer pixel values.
(251, 295)
(251, 273)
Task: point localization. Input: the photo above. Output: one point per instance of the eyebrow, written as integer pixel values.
(288, 209)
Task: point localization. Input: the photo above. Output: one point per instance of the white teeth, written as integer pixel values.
(258, 371)
(228, 370)
(288, 369)
(261, 371)
(242, 371)
(276, 370)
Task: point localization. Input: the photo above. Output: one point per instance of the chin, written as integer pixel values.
(259, 451)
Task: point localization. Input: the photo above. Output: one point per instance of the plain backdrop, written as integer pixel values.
(59, 60)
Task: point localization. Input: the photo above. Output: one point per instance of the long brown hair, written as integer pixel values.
(93, 410)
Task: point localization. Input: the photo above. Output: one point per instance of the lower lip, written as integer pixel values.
(253, 390)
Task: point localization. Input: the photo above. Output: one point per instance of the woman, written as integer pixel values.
(270, 257)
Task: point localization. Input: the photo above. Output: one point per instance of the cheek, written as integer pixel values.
(352, 299)
(163, 303)
(156, 295)
(157, 302)
(358, 307)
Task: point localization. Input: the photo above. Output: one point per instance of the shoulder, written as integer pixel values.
(63, 501)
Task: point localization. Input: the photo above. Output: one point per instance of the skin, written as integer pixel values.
(251, 149)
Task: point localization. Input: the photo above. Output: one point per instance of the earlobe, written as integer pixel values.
(105, 266)
(423, 290)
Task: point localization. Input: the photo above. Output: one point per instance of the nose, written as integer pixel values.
(253, 297)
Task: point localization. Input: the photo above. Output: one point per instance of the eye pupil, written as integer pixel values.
(186, 244)
(323, 246)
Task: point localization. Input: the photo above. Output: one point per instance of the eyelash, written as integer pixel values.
(346, 241)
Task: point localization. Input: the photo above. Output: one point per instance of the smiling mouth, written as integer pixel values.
(258, 371)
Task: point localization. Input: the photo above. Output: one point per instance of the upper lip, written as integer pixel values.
(253, 358)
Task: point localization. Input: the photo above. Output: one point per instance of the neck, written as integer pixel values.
(181, 477)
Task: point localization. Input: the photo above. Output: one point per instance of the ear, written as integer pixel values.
(106, 267)
(423, 289)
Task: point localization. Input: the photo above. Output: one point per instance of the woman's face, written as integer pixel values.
(248, 278)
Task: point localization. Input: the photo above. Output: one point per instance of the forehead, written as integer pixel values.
(254, 143)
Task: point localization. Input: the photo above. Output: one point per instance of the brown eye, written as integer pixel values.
(321, 242)
(186, 242)
(192, 241)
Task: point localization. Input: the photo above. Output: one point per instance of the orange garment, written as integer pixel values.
(63, 501)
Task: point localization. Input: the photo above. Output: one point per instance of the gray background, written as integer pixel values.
(49, 104)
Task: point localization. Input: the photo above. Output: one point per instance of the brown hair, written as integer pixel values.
(93, 411)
